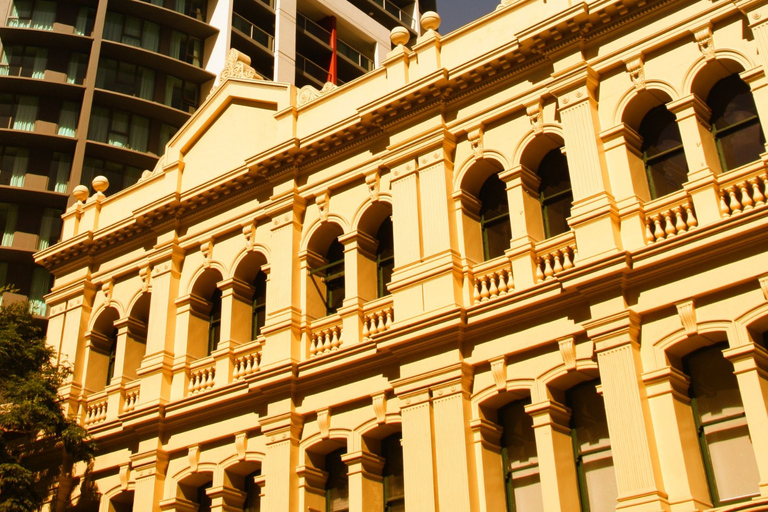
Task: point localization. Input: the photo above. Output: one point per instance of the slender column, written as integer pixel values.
(750, 364)
(281, 479)
(418, 458)
(554, 447)
(701, 155)
(594, 217)
(456, 491)
(633, 446)
(155, 370)
(678, 445)
(359, 281)
(490, 468)
(366, 492)
(150, 469)
(758, 83)
(525, 221)
(236, 312)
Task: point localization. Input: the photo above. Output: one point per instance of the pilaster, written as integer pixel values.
(282, 433)
(225, 499)
(633, 446)
(366, 491)
(486, 437)
(149, 470)
(418, 454)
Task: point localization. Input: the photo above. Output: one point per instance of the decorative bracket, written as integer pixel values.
(535, 113)
(145, 274)
(207, 249)
(125, 476)
(108, 287)
(321, 200)
(193, 456)
(703, 36)
(475, 138)
(241, 444)
(373, 182)
(568, 352)
(499, 371)
(380, 407)
(324, 423)
(249, 231)
(687, 313)
(636, 70)
(764, 286)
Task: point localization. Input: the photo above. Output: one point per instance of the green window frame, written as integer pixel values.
(337, 483)
(331, 278)
(393, 473)
(555, 194)
(494, 217)
(259, 305)
(663, 154)
(385, 257)
(214, 322)
(111, 355)
(518, 453)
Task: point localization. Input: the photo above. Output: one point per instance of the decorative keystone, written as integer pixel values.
(430, 20)
(399, 36)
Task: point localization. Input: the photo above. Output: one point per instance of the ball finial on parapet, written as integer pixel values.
(100, 184)
(430, 20)
(399, 36)
(80, 193)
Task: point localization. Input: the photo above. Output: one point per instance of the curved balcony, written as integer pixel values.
(52, 84)
(154, 60)
(136, 105)
(39, 196)
(121, 155)
(44, 135)
(46, 38)
(387, 13)
(168, 17)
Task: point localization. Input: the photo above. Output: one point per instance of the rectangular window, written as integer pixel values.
(8, 214)
(119, 128)
(85, 21)
(186, 48)
(70, 111)
(78, 63)
(126, 78)
(58, 176)
(119, 176)
(13, 166)
(41, 284)
(24, 61)
(132, 31)
(50, 228)
(26, 113)
(181, 95)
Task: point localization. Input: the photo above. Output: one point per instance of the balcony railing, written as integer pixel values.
(342, 47)
(202, 377)
(670, 216)
(325, 336)
(492, 279)
(555, 255)
(378, 316)
(253, 32)
(247, 359)
(395, 11)
(743, 189)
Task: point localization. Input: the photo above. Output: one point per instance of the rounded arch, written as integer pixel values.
(103, 320)
(635, 105)
(321, 233)
(138, 307)
(248, 263)
(752, 323)
(559, 378)
(550, 137)
(371, 213)
(476, 173)
(492, 398)
(315, 446)
(186, 477)
(671, 348)
(203, 281)
(490, 155)
(703, 74)
(120, 497)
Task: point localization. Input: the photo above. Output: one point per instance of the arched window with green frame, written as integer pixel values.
(259, 306)
(555, 193)
(112, 355)
(735, 124)
(393, 475)
(329, 277)
(494, 217)
(214, 321)
(520, 459)
(665, 165)
(385, 256)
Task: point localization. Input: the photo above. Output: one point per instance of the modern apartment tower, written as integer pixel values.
(98, 87)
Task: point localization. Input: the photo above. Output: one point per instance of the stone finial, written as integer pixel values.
(399, 36)
(100, 184)
(80, 193)
(430, 20)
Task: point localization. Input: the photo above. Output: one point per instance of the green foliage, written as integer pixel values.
(36, 437)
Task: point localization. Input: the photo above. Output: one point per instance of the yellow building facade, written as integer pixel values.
(518, 267)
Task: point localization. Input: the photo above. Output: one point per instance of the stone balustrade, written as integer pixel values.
(743, 191)
(247, 360)
(672, 215)
(131, 395)
(492, 279)
(96, 409)
(325, 336)
(201, 378)
(555, 255)
(378, 316)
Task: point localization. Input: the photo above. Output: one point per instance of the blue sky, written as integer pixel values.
(455, 13)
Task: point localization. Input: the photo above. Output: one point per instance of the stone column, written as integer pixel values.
(676, 439)
(490, 468)
(359, 280)
(633, 446)
(750, 364)
(757, 16)
(162, 278)
(554, 447)
(282, 433)
(236, 312)
(418, 458)
(456, 487)
(366, 492)
(225, 499)
(594, 217)
(435, 172)
(701, 155)
(149, 469)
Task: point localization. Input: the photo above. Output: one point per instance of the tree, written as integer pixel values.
(38, 442)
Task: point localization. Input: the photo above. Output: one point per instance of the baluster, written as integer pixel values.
(366, 331)
(690, 218)
(539, 273)
(548, 272)
(502, 282)
(335, 342)
(493, 291)
(658, 232)
(679, 222)
(746, 200)
(484, 290)
(648, 234)
(380, 324)
(476, 291)
(734, 204)
(510, 281)
(724, 210)
(558, 265)
(567, 263)
(249, 364)
(389, 315)
(757, 196)
(191, 386)
(313, 345)
(669, 227)
(764, 178)
(327, 341)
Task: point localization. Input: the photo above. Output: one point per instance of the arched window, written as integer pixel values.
(521, 463)
(112, 355)
(394, 480)
(385, 257)
(729, 459)
(663, 155)
(252, 493)
(331, 277)
(214, 322)
(494, 217)
(337, 484)
(204, 501)
(259, 308)
(735, 124)
(555, 193)
(592, 447)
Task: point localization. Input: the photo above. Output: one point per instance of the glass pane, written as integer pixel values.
(731, 102)
(733, 459)
(526, 490)
(713, 384)
(600, 478)
(553, 172)
(556, 215)
(667, 174)
(741, 146)
(394, 481)
(337, 485)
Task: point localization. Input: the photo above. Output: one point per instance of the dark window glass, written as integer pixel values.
(663, 154)
(112, 340)
(214, 325)
(203, 500)
(518, 453)
(337, 485)
(394, 481)
(252, 493)
(332, 276)
(494, 217)
(735, 123)
(259, 304)
(555, 192)
(385, 257)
